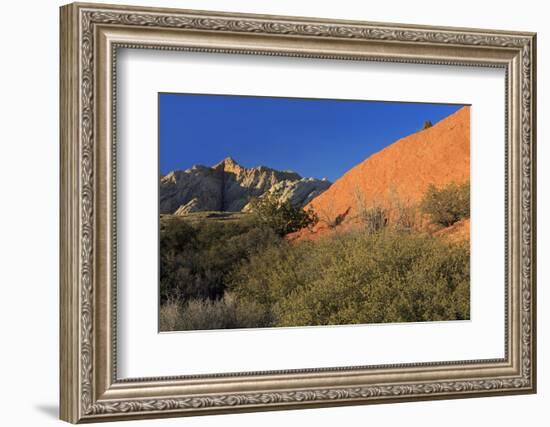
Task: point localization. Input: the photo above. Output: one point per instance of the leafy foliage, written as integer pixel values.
(281, 217)
(196, 257)
(216, 273)
(447, 205)
(387, 276)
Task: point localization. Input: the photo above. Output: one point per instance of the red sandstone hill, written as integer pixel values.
(402, 171)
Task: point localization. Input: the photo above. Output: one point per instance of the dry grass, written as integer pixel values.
(169, 313)
(225, 313)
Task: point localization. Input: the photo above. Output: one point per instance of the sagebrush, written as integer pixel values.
(447, 205)
(280, 216)
(359, 277)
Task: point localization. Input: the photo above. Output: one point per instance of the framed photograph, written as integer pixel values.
(266, 212)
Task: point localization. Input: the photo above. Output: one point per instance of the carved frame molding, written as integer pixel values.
(90, 36)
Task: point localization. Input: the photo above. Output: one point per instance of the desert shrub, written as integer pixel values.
(281, 217)
(225, 313)
(273, 274)
(404, 217)
(386, 276)
(169, 313)
(373, 218)
(402, 212)
(377, 214)
(447, 205)
(196, 257)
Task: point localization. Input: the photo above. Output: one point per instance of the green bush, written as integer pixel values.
(387, 276)
(217, 274)
(281, 217)
(195, 258)
(447, 205)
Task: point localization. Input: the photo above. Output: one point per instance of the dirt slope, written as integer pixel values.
(401, 171)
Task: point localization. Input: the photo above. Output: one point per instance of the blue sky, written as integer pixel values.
(314, 137)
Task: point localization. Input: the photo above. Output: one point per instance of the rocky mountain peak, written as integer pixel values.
(227, 163)
(228, 186)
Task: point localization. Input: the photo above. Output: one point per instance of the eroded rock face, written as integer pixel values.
(192, 206)
(201, 183)
(228, 186)
(299, 192)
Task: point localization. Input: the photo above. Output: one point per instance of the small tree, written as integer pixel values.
(281, 216)
(447, 205)
(427, 124)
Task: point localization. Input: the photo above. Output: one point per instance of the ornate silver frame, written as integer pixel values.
(90, 36)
